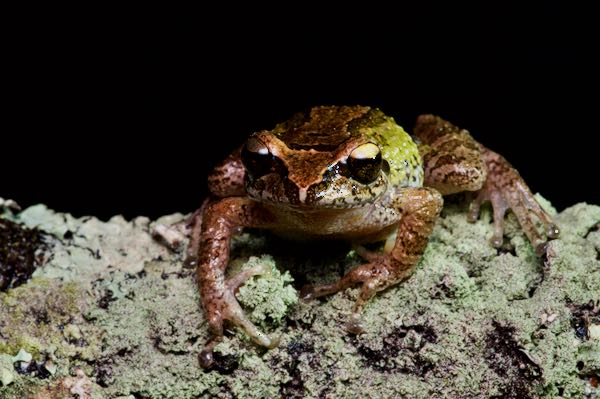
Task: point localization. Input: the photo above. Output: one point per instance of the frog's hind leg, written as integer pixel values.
(505, 189)
(455, 162)
(175, 235)
(451, 157)
(420, 208)
(226, 180)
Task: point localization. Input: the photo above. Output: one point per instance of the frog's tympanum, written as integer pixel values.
(349, 173)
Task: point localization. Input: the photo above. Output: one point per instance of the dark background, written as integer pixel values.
(105, 117)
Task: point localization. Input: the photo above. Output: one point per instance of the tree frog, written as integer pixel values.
(349, 173)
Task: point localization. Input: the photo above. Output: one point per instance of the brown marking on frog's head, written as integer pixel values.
(323, 128)
(303, 161)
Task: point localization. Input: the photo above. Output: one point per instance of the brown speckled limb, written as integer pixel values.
(221, 219)
(312, 177)
(420, 208)
(455, 162)
(226, 180)
(505, 189)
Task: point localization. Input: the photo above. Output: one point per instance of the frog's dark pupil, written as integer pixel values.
(385, 166)
(256, 164)
(365, 170)
(338, 169)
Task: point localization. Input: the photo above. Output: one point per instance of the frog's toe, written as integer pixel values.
(307, 293)
(552, 231)
(505, 189)
(215, 326)
(541, 248)
(310, 292)
(172, 236)
(230, 310)
(236, 281)
(474, 209)
(206, 358)
(499, 207)
(354, 325)
(233, 312)
(190, 262)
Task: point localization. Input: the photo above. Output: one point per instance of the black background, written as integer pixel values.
(127, 115)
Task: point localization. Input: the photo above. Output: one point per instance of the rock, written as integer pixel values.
(112, 313)
(7, 372)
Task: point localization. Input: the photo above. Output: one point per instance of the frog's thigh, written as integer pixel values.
(451, 157)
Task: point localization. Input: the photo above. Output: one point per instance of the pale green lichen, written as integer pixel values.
(22, 356)
(471, 321)
(267, 298)
(35, 314)
(7, 371)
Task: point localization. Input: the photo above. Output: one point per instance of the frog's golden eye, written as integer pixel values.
(256, 157)
(365, 163)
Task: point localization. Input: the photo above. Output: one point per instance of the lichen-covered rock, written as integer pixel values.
(113, 314)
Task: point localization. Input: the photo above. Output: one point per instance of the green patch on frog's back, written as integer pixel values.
(399, 150)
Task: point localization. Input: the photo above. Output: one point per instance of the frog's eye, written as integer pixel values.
(365, 163)
(256, 157)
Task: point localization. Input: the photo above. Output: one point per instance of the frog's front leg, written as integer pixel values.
(455, 162)
(420, 208)
(220, 220)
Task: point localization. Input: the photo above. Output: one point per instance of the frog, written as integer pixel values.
(345, 173)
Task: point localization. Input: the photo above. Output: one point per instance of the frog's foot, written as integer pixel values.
(225, 307)
(173, 236)
(505, 189)
(373, 278)
(10, 204)
(176, 234)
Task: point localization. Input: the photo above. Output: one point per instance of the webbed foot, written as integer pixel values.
(420, 208)
(505, 189)
(372, 277)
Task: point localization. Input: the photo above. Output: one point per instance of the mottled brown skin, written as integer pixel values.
(453, 160)
(307, 193)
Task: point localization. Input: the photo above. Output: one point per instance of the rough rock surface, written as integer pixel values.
(110, 313)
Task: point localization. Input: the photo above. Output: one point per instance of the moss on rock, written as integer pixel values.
(119, 316)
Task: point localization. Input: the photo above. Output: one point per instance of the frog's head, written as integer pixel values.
(328, 157)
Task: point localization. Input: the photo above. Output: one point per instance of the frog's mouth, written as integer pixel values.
(339, 193)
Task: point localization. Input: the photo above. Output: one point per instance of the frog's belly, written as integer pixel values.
(367, 224)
